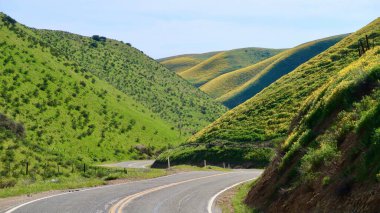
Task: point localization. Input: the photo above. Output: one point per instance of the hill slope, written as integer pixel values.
(146, 81)
(183, 62)
(264, 120)
(237, 86)
(331, 159)
(76, 113)
(217, 64)
(68, 113)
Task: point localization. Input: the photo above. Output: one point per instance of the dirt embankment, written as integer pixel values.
(277, 191)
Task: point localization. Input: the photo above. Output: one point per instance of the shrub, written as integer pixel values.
(318, 157)
(7, 182)
(326, 180)
(8, 20)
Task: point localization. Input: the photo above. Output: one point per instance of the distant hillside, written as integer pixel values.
(232, 77)
(264, 120)
(62, 89)
(330, 162)
(183, 62)
(217, 63)
(237, 86)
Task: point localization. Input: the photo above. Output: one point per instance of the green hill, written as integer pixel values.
(63, 90)
(218, 63)
(264, 120)
(183, 62)
(146, 81)
(331, 159)
(235, 87)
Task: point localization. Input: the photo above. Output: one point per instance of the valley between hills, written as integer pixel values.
(305, 120)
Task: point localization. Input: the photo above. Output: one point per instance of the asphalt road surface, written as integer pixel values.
(132, 164)
(191, 192)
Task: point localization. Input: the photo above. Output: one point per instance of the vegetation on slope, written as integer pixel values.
(331, 158)
(220, 63)
(264, 120)
(59, 111)
(70, 113)
(183, 62)
(235, 87)
(130, 71)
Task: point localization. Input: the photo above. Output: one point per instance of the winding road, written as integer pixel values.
(183, 192)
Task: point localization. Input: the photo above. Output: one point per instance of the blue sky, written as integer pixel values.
(163, 28)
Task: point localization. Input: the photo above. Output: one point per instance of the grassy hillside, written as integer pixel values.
(74, 113)
(265, 119)
(130, 71)
(60, 89)
(331, 158)
(183, 62)
(235, 87)
(218, 64)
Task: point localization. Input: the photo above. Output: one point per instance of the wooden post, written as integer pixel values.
(168, 162)
(204, 163)
(27, 168)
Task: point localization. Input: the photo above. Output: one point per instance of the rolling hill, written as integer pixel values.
(183, 62)
(88, 99)
(264, 120)
(331, 159)
(208, 66)
(235, 87)
(130, 71)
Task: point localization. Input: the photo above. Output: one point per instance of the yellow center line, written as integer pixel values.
(119, 206)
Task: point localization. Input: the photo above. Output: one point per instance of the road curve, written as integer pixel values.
(183, 192)
(132, 164)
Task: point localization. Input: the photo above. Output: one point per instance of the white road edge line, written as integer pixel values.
(119, 206)
(81, 190)
(32, 201)
(212, 200)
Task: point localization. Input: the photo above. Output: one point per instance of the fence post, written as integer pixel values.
(168, 162)
(224, 165)
(204, 163)
(27, 167)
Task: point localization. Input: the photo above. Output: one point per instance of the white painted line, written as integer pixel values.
(82, 190)
(212, 200)
(24, 204)
(119, 206)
